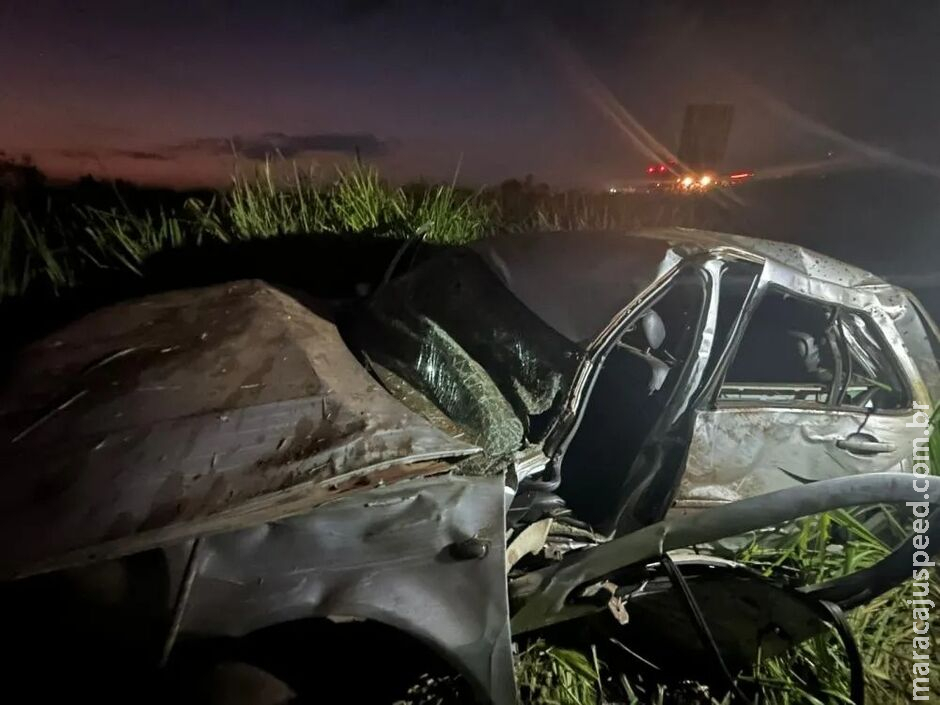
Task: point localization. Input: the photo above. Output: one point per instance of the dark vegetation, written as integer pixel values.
(55, 237)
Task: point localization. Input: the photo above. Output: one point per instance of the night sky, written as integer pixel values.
(158, 92)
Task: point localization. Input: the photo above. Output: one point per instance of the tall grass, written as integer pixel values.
(356, 201)
(265, 205)
(558, 676)
(816, 672)
(58, 248)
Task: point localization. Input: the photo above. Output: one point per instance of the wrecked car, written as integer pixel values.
(498, 439)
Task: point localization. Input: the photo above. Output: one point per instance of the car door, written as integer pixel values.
(622, 458)
(812, 391)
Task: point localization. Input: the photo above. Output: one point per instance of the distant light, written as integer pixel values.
(612, 189)
(741, 175)
(688, 181)
(705, 180)
(651, 170)
(662, 167)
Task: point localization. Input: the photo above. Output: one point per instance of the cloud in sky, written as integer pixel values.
(286, 145)
(247, 146)
(141, 155)
(135, 154)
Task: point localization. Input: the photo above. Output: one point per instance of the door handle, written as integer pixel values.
(864, 446)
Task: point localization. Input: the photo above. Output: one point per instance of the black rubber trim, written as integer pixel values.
(856, 667)
(698, 619)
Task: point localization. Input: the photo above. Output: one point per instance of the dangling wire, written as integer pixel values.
(835, 613)
(698, 619)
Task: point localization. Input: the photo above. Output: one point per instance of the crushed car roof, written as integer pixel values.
(804, 260)
(577, 280)
(186, 412)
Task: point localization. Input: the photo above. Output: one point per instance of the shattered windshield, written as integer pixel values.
(451, 330)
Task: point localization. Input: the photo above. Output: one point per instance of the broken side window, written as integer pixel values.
(871, 379)
(786, 354)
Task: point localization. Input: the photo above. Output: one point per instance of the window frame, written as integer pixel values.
(579, 392)
(838, 386)
(890, 357)
(696, 265)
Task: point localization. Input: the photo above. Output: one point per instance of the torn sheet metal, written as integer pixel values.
(189, 409)
(545, 595)
(528, 542)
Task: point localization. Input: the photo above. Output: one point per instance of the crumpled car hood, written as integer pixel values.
(191, 411)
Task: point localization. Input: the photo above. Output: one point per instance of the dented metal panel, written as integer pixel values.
(922, 340)
(743, 452)
(387, 554)
(166, 417)
(801, 259)
(748, 448)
